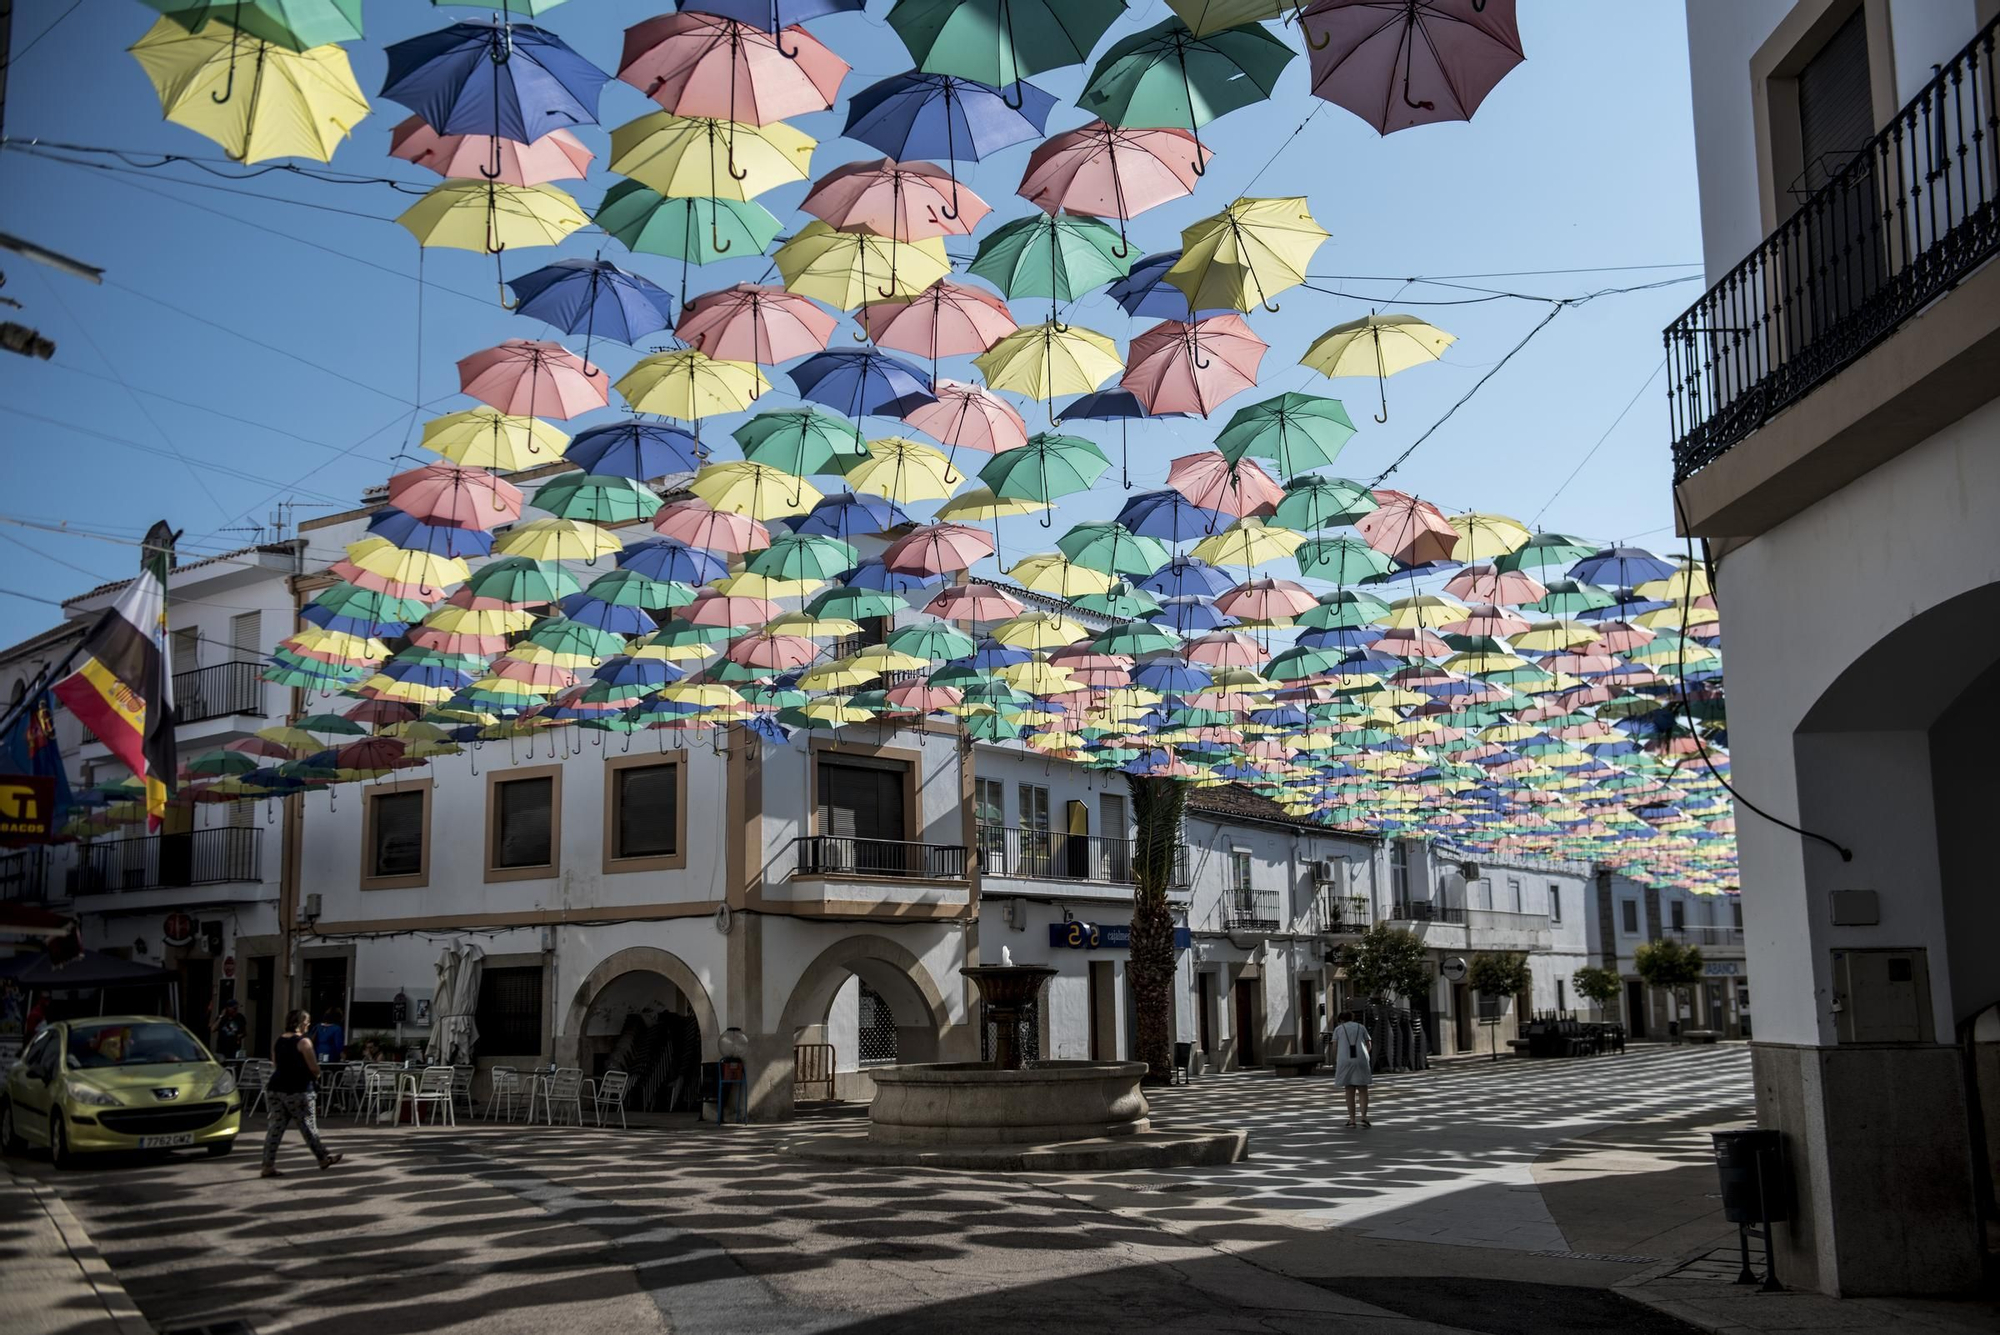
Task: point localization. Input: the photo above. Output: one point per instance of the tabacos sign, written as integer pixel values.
(1103, 936)
(27, 808)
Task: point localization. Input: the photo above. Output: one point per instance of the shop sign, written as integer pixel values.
(1722, 968)
(177, 929)
(1104, 936)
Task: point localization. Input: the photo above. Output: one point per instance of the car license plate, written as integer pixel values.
(166, 1142)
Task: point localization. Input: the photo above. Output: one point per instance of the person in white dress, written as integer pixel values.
(1352, 1068)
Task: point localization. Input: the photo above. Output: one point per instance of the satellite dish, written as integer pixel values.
(1469, 870)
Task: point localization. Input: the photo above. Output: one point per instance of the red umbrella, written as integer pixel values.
(1413, 643)
(457, 642)
(935, 549)
(1484, 619)
(1484, 584)
(1210, 481)
(922, 697)
(721, 609)
(1111, 172)
(946, 319)
(380, 711)
(969, 416)
(1265, 600)
(454, 497)
(556, 156)
(1189, 366)
(748, 323)
(771, 651)
(527, 378)
(696, 64)
(1398, 63)
(698, 524)
(904, 200)
(1410, 530)
(1224, 648)
(973, 602)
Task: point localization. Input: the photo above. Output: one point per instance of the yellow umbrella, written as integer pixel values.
(843, 675)
(705, 695)
(489, 438)
(981, 503)
(1050, 359)
(750, 584)
(1037, 676)
(1550, 636)
(1426, 611)
(700, 157)
(1058, 576)
(850, 269)
(811, 627)
(690, 385)
(491, 216)
(1248, 542)
(835, 710)
(1039, 631)
(257, 100)
(357, 648)
(558, 540)
(1481, 537)
(478, 621)
(1687, 583)
(1246, 254)
(904, 471)
(757, 490)
(1377, 345)
(1207, 16)
(1670, 616)
(379, 556)
(881, 658)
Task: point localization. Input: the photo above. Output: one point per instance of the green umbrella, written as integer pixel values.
(800, 440)
(1295, 663)
(856, 604)
(1136, 638)
(516, 579)
(563, 636)
(691, 229)
(332, 724)
(1168, 77)
(1000, 41)
(350, 600)
(1342, 560)
(1056, 255)
(935, 640)
(292, 24)
(1113, 549)
(1544, 550)
(803, 556)
(1569, 598)
(1048, 466)
(682, 634)
(596, 498)
(629, 588)
(1298, 431)
(1312, 501)
(992, 728)
(1120, 601)
(769, 696)
(961, 677)
(222, 762)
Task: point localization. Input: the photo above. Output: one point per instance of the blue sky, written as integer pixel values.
(247, 350)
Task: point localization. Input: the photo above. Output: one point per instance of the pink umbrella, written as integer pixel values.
(710, 608)
(971, 416)
(771, 651)
(381, 711)
(1484, 619)
(1484, 584)
(1412, 643)
(1209, 480)
(698, 524)
(1265, 600)
(374, 583)
(1398, 63)
(1224, 648)
(454, 497)
(556, 156)
(1410, 530)
(463, 596)
(935, 549)
(748, 323)
(904, 200)
(973, 602)
(1111, 172)
(546, 675)
(1189, 366)
(697, 64)
(946, 319)
(923, 698)
(526, 378)
(457, 642)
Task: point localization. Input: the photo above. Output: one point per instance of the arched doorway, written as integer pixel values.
(643, 1011)
(874, 1003)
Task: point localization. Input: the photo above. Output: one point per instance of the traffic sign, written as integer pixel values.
(1453, 969)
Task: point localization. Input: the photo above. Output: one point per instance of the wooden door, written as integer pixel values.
(1246, 1022)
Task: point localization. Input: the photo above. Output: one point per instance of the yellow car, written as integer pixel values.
(121, 1082)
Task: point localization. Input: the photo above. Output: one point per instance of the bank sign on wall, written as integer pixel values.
(1104, 936)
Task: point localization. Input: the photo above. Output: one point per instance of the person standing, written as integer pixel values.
(230, 1030)
(330, 1040)
(1352, 1068)
(290, 1094)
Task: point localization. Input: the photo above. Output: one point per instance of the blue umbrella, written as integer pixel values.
(872, 574)
(627, 671)
(1184, 576)
(1189, 616)
(767, 727)
(594, 297)
(1170, 517)
(862, 382)
(1145, 291)
(918, 115)
(413, 535)
(600, 615)
(426, 674)
(327, 618)
(1111, 405)
(1621, 567)
(508, 80)
(641, 450)
(847, 514)
(993, 654)
(666, 559)
(774, 13)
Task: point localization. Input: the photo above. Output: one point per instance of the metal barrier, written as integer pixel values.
(840, 855)
(812, 1066)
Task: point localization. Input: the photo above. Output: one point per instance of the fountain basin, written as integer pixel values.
(972, 1103)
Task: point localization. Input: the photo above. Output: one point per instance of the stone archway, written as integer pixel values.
(893, 973)
(636, 959)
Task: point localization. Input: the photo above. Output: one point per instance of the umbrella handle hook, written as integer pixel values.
(1270, 305)
(715, 241)
(1325, 40)
(731, 165)
(1010, 103)
(229, 83)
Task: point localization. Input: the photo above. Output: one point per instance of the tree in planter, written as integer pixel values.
(1387, 961)
(1501, 975)
(1669, 964)
(1597, 986)
(1157, 806)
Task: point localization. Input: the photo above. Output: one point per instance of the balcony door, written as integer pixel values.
(1114, 835)
(1076, 841)
(176, 849)
(861, 816)
(1037, 858)
(1842, 263)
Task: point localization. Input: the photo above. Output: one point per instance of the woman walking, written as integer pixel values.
(1352, 1049)
(289, 1095)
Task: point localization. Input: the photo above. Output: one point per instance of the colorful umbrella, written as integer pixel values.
(718, 159)
(1247, 254)
(700, 64)
(295, 25)
(1000, 41)
(1168, 516)
(946, 319)
(1047, 467)
(1082, 171)
(918, 115)
(489, 438)
(756, 491)
(506, 80)
(641, 450)
(1048, 360)
(597, 498)
(693, 229)
(294, 104)
(861, 382)
(592, 297)
(490, 217)
(936, 549)
(556, 156)
(1410, 62)
(800, 440)
(748, 323)
(526, 378)
(690, 385)
(444, 493)
(1057, 255)
(902, 470)
(969, 415)
(1192, 366)
(1212, 482)
(1298, 431)
(1166, 76)
(1407, 529)
(1312, 502)
(835, 267)
(903, 200)
(1377, 345)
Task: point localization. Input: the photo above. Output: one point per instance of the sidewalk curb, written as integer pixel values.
(119, 1309)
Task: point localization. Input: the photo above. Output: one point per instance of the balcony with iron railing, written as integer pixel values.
(25, 875)
(1341, 915)
(843, 855)
(1252, 911)
(218, 691)
(167, 861)
(1907, 218)
(1053, 855)
(1707, 937)
(1425, 910)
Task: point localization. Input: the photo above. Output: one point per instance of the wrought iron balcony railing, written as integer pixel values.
(839, 855)
(167, 861)
(1052, 855)
(1706, 935)
(1251, 911)
(1909, 216)
(24, 875)
(218, 691)
(1424, 910)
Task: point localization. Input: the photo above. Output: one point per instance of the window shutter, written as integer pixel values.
(1836, 105)
(187, 650)
(399, 833)
(648, 821)
(245, 636)
(525, 812)
(860, 802)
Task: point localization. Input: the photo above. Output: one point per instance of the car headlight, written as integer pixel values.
(225, 1084)
(91, 1095)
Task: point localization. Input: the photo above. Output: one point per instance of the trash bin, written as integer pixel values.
(1746, 1200)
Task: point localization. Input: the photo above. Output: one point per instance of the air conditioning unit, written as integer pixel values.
(836, 856)
(1469, 870)
(1328, 871)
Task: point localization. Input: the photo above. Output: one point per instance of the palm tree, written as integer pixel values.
(1157, 806)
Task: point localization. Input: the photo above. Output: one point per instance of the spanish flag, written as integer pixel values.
(121, 691)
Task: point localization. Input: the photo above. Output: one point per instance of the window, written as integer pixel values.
(246, 636)
(645, 814)
(510, 1011)
(862, 799)
(1562, 1002)
(523, 823)
(1239, 870)
(875, 1043)
(1514, 891)
(395, 837)
(1680, 914)
(1555, 902)
(1629, 911)
(1399, 871)
(1037, 849)
(1736, 913)
(989, 801)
